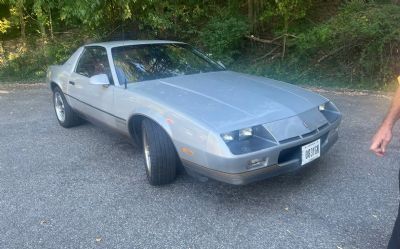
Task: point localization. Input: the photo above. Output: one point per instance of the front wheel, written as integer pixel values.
(65, 115)
(159, 154)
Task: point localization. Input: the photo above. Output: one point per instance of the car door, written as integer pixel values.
(93, 101)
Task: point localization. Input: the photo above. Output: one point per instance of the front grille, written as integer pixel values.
(310, 134)
(323, 127)
(289, 140)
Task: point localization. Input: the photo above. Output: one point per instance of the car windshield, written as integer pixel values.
(156, 61)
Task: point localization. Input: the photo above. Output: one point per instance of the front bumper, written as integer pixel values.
(288, 158)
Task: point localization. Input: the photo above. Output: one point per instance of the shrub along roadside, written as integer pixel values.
(29, 63)
(357, 48)
(223, 35)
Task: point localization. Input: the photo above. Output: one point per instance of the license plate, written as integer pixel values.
(310, 152)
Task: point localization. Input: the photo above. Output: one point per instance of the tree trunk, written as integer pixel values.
(261, 9)
(250, 13)
(2, 55)
(285, 36)
(20, 8)
(42, 31)
(51, 25)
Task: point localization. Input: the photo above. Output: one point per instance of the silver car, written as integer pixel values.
(185, 109)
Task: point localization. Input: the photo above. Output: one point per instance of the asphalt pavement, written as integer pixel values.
(86, 187)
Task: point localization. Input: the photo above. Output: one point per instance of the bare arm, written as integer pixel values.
(384, 134)
(394, 111)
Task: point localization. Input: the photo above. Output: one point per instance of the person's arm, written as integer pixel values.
(384, 134)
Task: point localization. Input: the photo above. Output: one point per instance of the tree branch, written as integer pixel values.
(330, 54)
(266, 55)
(273, 41)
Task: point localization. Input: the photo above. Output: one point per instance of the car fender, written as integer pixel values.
(152, 115)
(59, 76)
(189, 141)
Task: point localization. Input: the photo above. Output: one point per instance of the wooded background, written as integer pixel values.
(353, 43)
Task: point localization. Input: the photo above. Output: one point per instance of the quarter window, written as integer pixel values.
(93, 61)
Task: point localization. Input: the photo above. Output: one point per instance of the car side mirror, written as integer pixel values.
(99, 79)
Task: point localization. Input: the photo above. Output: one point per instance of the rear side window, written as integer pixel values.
(93, 61)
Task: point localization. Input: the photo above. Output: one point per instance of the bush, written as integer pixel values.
(360, 45)
(222, 37)
(31, 63)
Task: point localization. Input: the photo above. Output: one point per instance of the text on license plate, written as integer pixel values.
(310, 152)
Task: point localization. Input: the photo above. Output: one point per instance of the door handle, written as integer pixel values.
(72, 83)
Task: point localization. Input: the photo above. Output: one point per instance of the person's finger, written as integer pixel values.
(375, 144)
(380, 153)
(384, 145)
(376, 147)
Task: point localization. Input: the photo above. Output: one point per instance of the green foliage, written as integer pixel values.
(223, 35)
(4, 25)
(32, 64)
(287, 10)
(169, 19)
(360, 44)
(97, 16)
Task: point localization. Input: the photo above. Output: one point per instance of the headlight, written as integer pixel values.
(330, 111)
(228, 137)
(245, 133)
(248, 139)
(237, 135)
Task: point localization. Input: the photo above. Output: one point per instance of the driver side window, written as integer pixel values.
(93, 61)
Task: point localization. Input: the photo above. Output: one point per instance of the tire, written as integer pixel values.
(65, 115)
(159, 153)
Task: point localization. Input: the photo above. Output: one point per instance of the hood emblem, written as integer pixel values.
(305, 124)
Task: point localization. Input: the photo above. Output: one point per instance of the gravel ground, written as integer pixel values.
(86, 187)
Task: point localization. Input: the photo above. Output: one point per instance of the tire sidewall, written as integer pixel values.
(145, 133)
(71, 118)
(163, 157)
(58, 90)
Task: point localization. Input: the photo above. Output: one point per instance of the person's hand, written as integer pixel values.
(381, 140)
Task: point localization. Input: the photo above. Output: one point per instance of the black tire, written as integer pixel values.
(162, 165)
(71, 118)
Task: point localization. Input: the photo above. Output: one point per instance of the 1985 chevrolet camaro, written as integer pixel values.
(183, 108)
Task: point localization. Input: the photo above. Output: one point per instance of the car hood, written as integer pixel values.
(227, 100)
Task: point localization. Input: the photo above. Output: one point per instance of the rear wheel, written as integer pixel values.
(65, 115)
(159, 154)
